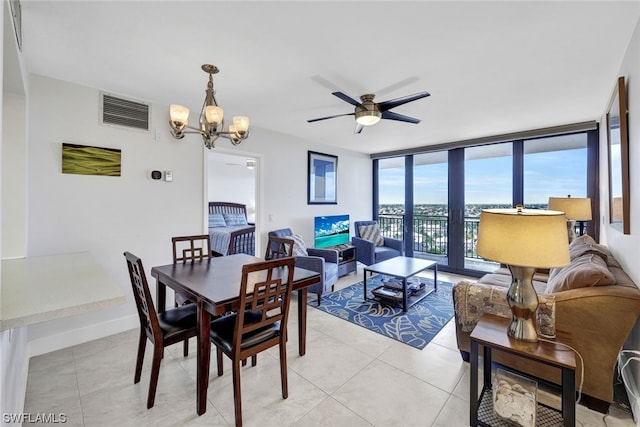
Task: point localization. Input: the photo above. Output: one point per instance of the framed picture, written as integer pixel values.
(88, 160)
(618, 142)
(322, 179)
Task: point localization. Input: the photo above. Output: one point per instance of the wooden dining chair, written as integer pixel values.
(278, 247)
(169, 327)
(265, 295)
(189, 249)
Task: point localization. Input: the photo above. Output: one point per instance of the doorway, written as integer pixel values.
(233, 178)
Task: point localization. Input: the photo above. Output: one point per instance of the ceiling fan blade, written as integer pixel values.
(390, 115)
(387, 105)
(358, 128)
(346, 98)
(330, 117)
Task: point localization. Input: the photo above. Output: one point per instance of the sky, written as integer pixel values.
(488, 181)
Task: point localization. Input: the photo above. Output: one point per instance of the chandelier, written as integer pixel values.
(211, 118)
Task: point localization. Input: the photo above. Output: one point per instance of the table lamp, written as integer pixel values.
(575, 209)
(523, 239)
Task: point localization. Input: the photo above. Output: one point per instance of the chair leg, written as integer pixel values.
(319, 297)
(254, 360)
(155, 371)
(237, 398)
(185, 351)
(219, 360)
(142, 345)
(283, 369)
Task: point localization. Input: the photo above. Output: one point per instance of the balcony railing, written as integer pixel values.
(430, 233)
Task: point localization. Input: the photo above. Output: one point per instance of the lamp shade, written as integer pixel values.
(575, 208)
(178, 113)
(213, 114)
(524, 237)
(241, 123)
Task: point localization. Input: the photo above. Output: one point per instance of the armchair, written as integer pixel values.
(366, 250)
(323, 261)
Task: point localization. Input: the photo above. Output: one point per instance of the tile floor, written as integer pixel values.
(349, 377)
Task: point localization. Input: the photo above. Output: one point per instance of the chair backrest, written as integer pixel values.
(358, 224)
(265, 292)
(279, 247)
(144, 303)
(191, 248)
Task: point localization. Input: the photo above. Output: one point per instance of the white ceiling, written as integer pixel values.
(491, 67)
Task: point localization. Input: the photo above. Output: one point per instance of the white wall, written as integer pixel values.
(108, 215)
(625, 247)
(14, 360)
(283, 181)
(14, 175)
(103, 215)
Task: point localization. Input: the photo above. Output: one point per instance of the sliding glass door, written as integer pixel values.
(488, 183)
(433, 200)
(391, 192)
(431, 206)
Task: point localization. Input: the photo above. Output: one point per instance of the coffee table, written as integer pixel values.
(403, 267)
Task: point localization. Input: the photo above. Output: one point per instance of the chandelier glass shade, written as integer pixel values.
(211, 122)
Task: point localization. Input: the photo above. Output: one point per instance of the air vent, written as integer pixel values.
(123, 112)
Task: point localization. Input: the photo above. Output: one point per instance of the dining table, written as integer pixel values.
(213, 284)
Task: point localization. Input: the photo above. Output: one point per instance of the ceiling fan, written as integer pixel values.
(369, 113)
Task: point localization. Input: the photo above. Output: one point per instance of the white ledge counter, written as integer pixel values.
(42, 288)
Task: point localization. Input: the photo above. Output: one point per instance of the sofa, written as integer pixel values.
(595, 301)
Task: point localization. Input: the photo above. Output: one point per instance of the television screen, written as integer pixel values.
(331, 230)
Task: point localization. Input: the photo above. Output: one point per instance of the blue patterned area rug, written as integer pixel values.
(416, 327)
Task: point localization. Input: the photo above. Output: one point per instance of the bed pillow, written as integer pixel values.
(234, 219)
(216, 220)
(587, 270)
(371, 233)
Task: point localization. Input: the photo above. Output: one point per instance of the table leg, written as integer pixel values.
(161, 296)
(569, 397)
(487, 366)
(435, 277)
(404, 294)
(302, 321)
(364, 296)
(473, 385)
(204, 356)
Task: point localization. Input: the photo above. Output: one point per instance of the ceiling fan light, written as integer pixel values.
(368, 118)
(213, 114)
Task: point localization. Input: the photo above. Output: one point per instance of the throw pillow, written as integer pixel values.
(235, 219)
(587, 270)
(216, 220)
(299, 247)
(371, 233)
(585, 245)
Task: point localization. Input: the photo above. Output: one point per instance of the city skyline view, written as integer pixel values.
(489, 180)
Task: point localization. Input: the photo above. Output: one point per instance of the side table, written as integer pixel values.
(491, 332)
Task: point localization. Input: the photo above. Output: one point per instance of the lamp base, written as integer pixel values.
(523, 301)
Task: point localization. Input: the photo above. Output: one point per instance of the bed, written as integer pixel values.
(229, 231)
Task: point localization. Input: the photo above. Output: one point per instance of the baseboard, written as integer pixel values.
(81, 335)
(630, 384)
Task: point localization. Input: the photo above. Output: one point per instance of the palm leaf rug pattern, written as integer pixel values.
(416, 327)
